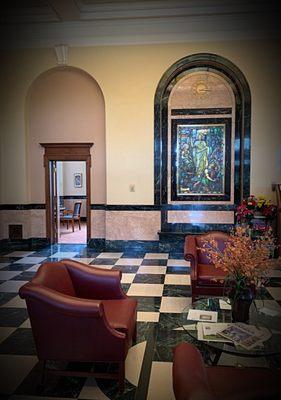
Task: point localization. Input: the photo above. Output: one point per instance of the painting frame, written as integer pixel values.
(77, 180)
(210, 140)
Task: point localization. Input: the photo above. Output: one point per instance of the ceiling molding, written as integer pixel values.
(145, 22)
(66, 10)
(118, 9)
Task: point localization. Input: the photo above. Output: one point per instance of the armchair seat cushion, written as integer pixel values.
(209, 275)
(121, 315)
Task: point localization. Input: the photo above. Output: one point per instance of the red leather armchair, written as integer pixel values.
(193, 381)
(80, 313)
(205, 277)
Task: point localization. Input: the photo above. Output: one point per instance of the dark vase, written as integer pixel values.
(241, 303)
(240, 310)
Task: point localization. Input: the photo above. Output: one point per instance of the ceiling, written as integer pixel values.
(33, 23)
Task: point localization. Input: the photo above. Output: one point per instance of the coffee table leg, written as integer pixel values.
(216, 358)
(211, 357)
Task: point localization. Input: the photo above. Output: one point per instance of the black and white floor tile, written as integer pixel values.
(160, 282)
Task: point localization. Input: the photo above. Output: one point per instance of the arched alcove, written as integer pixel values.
(233, 111)
(65, 104)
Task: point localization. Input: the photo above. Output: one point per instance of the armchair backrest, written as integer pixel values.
(55, 276)
(61, 201)
(190, 380)
(77, 209)
(220, 238)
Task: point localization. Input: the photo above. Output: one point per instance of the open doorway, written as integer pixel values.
(72, 199)
(68, 192)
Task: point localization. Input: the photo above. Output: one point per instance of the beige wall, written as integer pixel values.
(65, 105)
(128, 77)
(69, 168)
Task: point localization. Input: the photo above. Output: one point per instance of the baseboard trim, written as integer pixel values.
(123, 245)
(28, 244)
(171, 244)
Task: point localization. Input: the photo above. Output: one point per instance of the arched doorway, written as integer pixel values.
(66, 105)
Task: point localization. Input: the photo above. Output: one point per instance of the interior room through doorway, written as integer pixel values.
(71, 201)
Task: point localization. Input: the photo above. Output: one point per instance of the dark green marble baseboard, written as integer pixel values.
(122, 245)
(28, 244)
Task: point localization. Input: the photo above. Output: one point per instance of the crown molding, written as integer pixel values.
(119, 9)
(202, 25)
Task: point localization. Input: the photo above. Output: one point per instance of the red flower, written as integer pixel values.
(246, 210)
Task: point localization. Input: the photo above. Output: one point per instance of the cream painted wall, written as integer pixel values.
(17, 72)
(128, 77)
(69, 168)
(66, 105)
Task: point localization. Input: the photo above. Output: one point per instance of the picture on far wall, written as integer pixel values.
(201, 159)
(78, 180)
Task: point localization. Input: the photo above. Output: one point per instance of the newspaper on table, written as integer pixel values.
(209, 332)
(246, 336)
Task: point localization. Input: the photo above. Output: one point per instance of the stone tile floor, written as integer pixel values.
(160, 282)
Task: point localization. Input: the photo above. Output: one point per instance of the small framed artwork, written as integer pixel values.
(78, 180)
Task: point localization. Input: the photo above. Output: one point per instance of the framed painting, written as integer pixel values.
(78, 180)
(201, 159)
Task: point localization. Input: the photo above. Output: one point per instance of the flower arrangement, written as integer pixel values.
(245, 261)
(252, 206)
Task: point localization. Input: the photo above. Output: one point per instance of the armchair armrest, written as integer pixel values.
(62, 303)
(95, 283)
(67, 327)
(190, 379)
(190, 254)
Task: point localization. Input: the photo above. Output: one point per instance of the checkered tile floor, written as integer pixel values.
(160, 282)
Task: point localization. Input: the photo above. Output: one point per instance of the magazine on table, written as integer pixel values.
(261, 331)
(243, 335)
(209, 332)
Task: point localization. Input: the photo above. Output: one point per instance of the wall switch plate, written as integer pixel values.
(132, 187)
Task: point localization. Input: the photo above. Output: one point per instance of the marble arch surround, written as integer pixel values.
(199, 215)
(182, 98)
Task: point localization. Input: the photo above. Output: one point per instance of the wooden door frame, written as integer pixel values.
(66, 152)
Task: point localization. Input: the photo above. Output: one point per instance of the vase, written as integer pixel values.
(240, 310)
(241, 302)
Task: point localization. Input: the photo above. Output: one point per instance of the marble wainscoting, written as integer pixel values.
(33, 222)
(14, 217)
(37, 223)
(98, 218)
(200, 217)
(133, 225)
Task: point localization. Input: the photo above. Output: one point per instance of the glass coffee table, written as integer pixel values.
(272, 324)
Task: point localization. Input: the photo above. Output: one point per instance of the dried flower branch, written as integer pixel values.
(244, 260)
